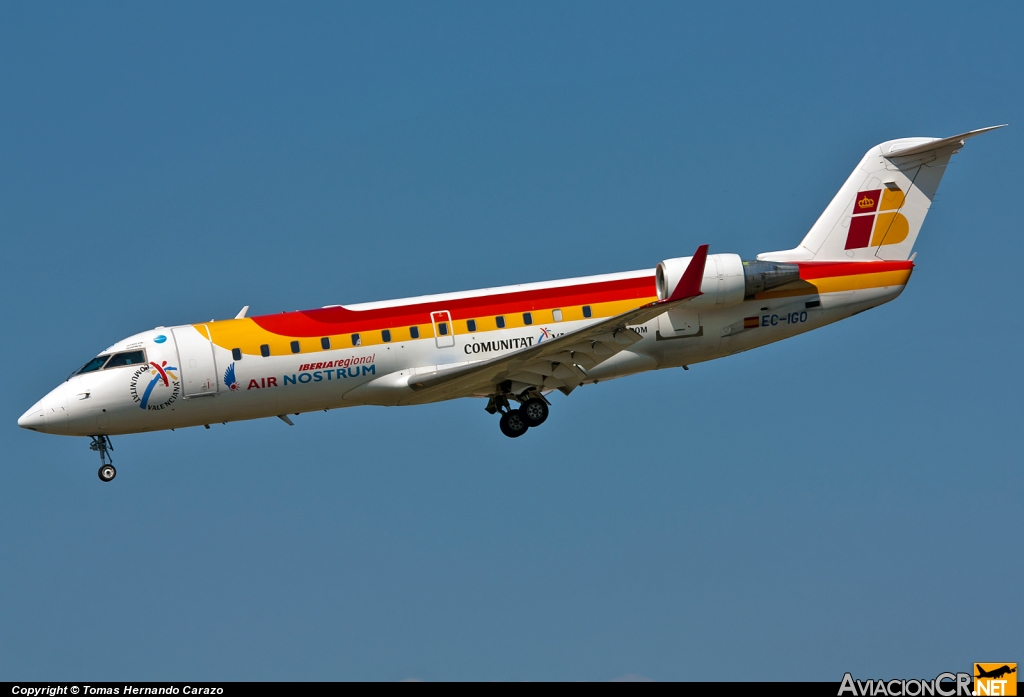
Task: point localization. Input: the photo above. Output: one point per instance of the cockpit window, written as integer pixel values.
(126, 358)
(93, 365)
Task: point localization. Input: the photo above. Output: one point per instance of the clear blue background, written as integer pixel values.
(848, 500)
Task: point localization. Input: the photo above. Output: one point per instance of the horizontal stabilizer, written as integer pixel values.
(903, 150)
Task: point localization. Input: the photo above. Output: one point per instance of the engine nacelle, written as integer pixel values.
(723, 282)
(727, 279)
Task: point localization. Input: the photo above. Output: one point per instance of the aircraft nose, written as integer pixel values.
(49, 414)
(34, 418)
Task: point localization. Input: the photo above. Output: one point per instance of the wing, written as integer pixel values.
(557, 363)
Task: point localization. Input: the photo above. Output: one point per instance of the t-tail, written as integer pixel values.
(879, 211)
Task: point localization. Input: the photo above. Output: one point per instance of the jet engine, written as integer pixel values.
(722, 285)
(727, 279)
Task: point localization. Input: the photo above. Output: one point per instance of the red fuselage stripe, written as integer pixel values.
(830, 269)
(339, 320)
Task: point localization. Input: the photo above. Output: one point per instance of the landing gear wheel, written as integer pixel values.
(535, 411)
(107, 472)
(513, 424)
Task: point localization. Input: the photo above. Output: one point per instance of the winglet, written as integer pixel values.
(689, 284)
(241, 313)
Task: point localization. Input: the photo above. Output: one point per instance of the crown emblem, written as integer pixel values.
(866, 202)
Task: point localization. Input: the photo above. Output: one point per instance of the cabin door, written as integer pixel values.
(195, 360)
(444, 332)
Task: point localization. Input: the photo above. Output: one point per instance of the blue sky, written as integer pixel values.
(848, 500)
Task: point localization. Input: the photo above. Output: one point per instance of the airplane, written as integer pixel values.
(996, 673)
(513, 345)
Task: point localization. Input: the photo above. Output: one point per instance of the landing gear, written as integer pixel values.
(103, 446)
(512, 423)
(533, 411)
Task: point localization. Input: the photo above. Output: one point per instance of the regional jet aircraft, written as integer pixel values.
(514, 345)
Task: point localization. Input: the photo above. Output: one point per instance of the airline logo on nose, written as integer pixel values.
(876, 219)
(155, 386)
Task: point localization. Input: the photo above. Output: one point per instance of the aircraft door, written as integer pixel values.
(195, 360)
(444, 332)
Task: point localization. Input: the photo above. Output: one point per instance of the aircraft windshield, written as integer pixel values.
(126, 358)
(115, 361)
(93, 365)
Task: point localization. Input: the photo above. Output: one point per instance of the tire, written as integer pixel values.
(535, 411)
(107, 473)
(513, 424)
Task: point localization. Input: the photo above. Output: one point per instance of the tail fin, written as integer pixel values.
(881, 207)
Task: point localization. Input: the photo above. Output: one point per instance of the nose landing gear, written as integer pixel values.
(104, 447)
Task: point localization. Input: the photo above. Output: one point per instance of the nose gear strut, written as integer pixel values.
(104, 447)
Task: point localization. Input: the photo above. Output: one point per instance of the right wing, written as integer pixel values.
(558, 363)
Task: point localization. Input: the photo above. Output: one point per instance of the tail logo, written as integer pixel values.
(874, 224)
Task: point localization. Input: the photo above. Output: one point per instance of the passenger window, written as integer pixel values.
(325, 343)
(126, 358)
(264, 350)
(442, 328)
(586, 311)
(527, 318)
(295, 347)
(356, 341)
(93, 365)
(556, 315)
(236, 354)
(500, 322)
(414, 332)
(386, 335)
(471, 325)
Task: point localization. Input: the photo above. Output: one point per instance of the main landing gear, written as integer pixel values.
(104, 447)
(532, 412)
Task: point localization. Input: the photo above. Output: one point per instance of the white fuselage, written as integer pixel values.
(187, 379)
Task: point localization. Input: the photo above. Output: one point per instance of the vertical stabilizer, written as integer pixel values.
(878, 212)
